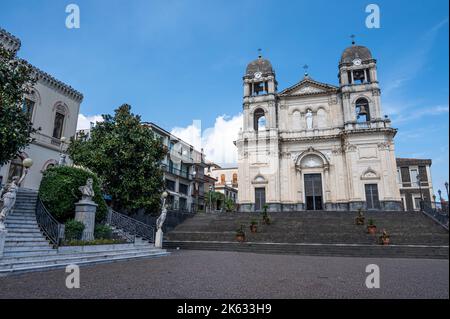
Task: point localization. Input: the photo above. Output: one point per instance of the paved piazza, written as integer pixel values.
(209, 274)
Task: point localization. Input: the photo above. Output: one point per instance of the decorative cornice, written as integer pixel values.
(9, 41)
(46, 78)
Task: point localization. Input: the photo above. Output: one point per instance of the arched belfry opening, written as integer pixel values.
(259, 120)
(362, 110)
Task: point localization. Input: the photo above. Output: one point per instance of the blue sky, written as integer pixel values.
(179, 61)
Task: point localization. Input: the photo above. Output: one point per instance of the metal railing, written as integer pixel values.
(130, 227)
(52, 229)
(437, 211)
(177, 172)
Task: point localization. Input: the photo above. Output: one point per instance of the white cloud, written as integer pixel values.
(413, 114)
(84, 122)
(217, 141)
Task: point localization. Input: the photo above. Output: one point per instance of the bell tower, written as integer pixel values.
(260, 87)
(258, 141)
(359, 86)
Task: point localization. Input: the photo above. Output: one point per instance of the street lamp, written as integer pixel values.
(210, 199)
(446, 188)
(194, 174)
(440, 195)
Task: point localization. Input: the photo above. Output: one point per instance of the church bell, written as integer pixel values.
(363, 110)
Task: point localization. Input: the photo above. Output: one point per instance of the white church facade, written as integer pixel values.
(316, 146)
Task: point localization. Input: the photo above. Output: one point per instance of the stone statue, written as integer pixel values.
(309, 120)
(162, 218)
(9, 197)
(87, 190)
(62, 159)
(159, 224)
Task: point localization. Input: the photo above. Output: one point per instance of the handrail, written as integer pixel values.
(131, 227)
(49, 225)
(436, 211)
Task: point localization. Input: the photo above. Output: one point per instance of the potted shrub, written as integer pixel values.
(384, 238)
(359, 220)
(240, 234)
(371, 227)
(254, 226)
(266, 218)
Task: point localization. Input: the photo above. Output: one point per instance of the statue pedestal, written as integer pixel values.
(159, 238)
(3, 233)
(85, 213)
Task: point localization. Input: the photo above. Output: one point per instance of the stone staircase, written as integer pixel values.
(412, 234)
(27, 249)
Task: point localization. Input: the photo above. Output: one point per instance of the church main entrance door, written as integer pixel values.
(260, 198)
(313, 191)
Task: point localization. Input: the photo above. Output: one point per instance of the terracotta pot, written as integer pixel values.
(372, 229)
(240, 238)
(253, 228)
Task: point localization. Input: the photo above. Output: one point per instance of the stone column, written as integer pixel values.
(85, 213)
(3, 233)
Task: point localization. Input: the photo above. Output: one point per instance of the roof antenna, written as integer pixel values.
(305, 67)
(259, 53)
(353, 39)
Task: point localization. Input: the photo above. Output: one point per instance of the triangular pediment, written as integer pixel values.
(308, 86)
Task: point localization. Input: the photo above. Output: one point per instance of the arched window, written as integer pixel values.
(259, 120)
(222, 179)
(235, 178)
(362, 110)
(60, 117)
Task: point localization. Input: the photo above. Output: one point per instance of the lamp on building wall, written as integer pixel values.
(27, 163)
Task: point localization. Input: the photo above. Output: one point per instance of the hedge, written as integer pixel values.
(59, 191)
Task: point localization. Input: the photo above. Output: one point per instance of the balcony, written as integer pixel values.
(177, 172)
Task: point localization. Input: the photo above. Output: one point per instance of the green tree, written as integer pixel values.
(16, 80)
(126, 157)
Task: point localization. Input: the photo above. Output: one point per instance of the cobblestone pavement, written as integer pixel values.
(210, 274)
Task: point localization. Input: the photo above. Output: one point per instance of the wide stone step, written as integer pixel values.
(74, 258)
(27, 254)
(97, 260)
(29, 225)
(21, 224)
(21, 217)
(24, 246)
(25, 249)
(319, 249)
(23, 231)
(25, 239)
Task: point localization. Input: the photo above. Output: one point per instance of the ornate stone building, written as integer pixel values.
(52, 106)
(316, 146)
